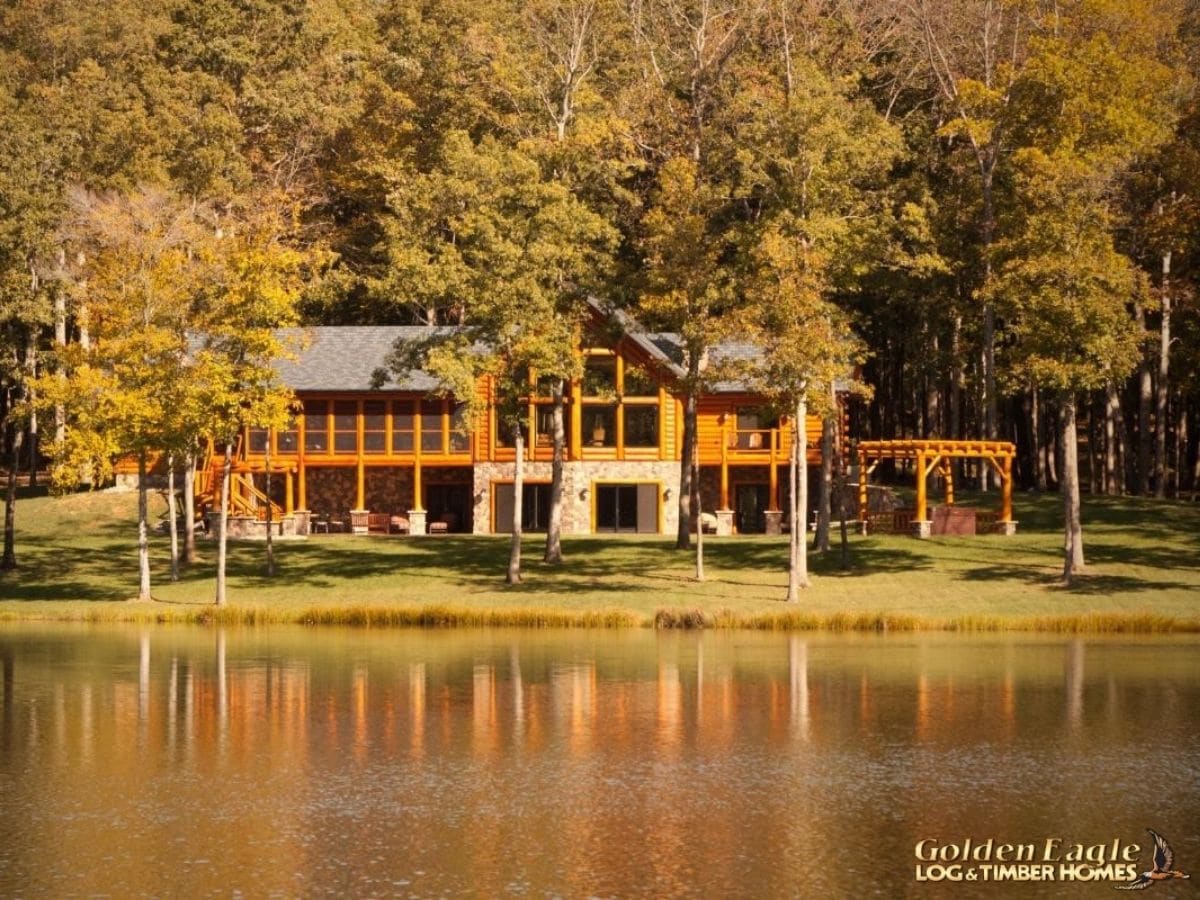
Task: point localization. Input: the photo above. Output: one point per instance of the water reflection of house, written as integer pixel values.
(397, 450)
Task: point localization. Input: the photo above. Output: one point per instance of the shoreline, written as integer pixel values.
(437, 616)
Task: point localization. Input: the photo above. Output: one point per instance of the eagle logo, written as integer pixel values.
(1163, 870)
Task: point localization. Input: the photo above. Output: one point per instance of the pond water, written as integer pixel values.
(190, 762)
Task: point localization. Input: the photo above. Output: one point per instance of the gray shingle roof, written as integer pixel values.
(346, 357)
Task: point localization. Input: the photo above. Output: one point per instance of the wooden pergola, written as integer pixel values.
(935, 455)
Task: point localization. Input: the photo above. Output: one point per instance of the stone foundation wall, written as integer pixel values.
(579, 476)
(389, 490)
(331, 490)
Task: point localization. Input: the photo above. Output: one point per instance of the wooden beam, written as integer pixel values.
(360, 459)
(724, 460)
(1006, 492)
(863, 474)
(921, 474)
(773, 478)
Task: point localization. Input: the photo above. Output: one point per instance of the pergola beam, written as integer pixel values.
(935, 454)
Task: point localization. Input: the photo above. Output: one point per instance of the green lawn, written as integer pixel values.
(77, 558)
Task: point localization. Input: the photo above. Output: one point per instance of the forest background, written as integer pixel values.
(990, 204)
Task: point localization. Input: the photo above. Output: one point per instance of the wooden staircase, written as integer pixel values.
(244, 498)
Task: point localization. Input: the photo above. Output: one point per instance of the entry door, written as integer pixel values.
(751, 500)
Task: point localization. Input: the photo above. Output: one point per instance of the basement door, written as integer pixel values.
(631, 508)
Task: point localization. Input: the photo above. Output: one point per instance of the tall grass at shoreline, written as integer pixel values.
(442, 616)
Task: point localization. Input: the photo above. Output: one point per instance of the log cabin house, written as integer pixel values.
(363, 457)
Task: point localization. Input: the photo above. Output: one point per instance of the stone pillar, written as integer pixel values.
(1008, 528)
(922, 528)
(358, 521)
(303, 519)
(774, 521)
(724, 522)
(416, 521)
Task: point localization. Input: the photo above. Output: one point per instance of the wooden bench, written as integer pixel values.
(379, 522)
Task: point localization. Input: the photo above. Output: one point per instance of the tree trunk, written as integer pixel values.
(990, 407)
(143, 529)
(514, 549)
(1072, 524)
(554, 553)
(34, 449)
(189, 508)
(60, 341)
(223, 537)
(798, 504)
(1145, 395)
(270, 509)
(1093, 459)
(31, 365)
(1181, 441)
(687, 451)
(1053, 455)
(1164, 367)
(1112, 404)
(841, 504)
(699, 507)
(1196, 475)
(1039, 448)
(958, 377)
(825, 497)
(9, 560)
(173, 516)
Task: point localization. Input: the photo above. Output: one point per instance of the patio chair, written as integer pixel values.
(399, 525)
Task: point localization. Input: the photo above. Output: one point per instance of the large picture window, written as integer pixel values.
(345, 426)
(374, 426)
(600, 376)
(754, 425)
(288, 439)
(431, 426)
(641, 426)
(460, 436)
(600, 425)
(316, 426)
(402, 426)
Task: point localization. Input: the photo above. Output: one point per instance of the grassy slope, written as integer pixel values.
(78, 560)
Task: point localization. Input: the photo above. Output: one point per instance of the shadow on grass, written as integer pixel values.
(51, 572)
(95, 559)
(1082, 584)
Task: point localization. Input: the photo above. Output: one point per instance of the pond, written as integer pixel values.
(192, 762)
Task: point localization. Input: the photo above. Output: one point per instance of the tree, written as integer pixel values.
(806, 346)
(258, 269)
(121, 392)
(1064, 290)
(556, 50)
(689, 289)
(519, 244)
